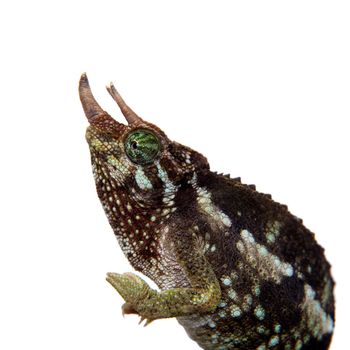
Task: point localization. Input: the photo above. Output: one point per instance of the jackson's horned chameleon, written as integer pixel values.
(235, 268)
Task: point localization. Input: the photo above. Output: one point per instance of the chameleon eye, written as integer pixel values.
(142, 146)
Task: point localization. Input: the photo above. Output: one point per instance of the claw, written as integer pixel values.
(148, 321)
(128, 309)
(141, 319)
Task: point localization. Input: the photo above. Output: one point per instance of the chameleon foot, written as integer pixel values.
(134, 290)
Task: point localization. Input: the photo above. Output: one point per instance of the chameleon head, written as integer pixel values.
(137, 158)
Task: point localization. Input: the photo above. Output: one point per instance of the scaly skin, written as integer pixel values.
(235, 267)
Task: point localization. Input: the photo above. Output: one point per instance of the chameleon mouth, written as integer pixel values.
(93, 110)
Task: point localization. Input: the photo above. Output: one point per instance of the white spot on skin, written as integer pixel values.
(298, 345)
(289, 271)
(306, 338)
(165, 211)
(259, 312)
(226, 281)
(249, 299)
(273, 231)
(260, 329)
(247, 302)
(326, 293)
(274, 340)
(263, 251)
(205, 204)
(222, 313)
(277, 328)
(225, 220)
(270, 238)
(235, 311)
(232, 294)
(211, 324)
(169, 188)
(240, 246)
(318, 322)
(142, 180)
(268, 266)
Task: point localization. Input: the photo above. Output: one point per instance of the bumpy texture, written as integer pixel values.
(236, 268)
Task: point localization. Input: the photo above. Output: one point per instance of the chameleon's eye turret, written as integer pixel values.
(142, 146)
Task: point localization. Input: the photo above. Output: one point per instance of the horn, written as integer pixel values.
(90, 106)
(128, 113)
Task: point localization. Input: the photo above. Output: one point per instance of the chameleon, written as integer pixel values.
(235, 268)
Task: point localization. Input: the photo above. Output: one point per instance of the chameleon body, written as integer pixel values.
(235, 268)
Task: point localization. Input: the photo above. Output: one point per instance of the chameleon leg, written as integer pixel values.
(150, 304)
(132, 289)
(202, 296)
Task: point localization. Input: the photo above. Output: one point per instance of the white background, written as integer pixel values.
(261, 88)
